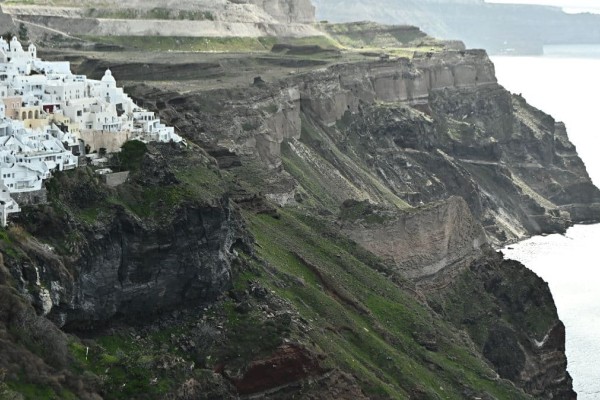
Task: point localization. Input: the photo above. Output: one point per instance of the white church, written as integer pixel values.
(48, 116)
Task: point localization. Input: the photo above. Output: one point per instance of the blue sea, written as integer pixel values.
(565, 83)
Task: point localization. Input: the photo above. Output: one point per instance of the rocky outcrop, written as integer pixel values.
(130, 266)
(331, 93)
(521, 335)
(422, 242)
(46, 360)
(327, 95)
(135, 261)
(288, 364)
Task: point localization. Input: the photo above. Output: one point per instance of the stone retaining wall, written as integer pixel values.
(115, 179)
(31, 198)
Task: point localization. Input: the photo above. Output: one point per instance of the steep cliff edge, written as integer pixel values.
(392, 134)
(169, 295)
(525, 342)
(507, 310)
(401, 132)
(143, 248)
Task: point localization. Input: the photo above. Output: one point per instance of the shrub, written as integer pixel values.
(131, 155)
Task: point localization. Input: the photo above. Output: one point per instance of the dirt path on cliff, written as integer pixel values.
(45, 28)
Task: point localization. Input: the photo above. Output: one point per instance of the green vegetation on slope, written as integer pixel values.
(160, 13)
(128, 367)
(354, 38)
(153, 192)
(199, 44)
(315, 163)
(367, 323)
(209, 44)
(399, 41)
(496, 333)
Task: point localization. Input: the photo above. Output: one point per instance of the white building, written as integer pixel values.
(51, 111)
(7, 204)
(27, 157)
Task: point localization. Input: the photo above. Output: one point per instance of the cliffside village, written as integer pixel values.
(50, 117)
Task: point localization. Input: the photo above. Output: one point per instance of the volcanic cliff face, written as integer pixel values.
(130, 266)
(135, 256)
(400, 131)
(326, 94)
(424, 242)
(326, 234)
(521, 335)
(377, 137)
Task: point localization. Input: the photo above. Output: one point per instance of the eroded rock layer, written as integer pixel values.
(422, 242)
(189, 18)
(400, 131)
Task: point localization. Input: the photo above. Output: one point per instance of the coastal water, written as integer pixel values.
(566, 84)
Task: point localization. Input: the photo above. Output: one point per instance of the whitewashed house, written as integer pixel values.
(7, 204)
(47, 112)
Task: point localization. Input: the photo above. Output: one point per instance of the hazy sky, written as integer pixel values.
(568, 5)
(559, 3)
(572, 6)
